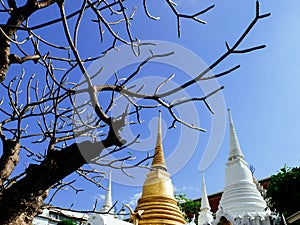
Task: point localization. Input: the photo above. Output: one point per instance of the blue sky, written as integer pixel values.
(263, 94)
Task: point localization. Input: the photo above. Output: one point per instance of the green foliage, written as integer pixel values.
(284, 191)
(66, 222)
(188, 207)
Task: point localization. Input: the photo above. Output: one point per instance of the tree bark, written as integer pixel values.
(9, 158)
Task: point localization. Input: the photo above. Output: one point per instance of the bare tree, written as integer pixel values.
(40, 118)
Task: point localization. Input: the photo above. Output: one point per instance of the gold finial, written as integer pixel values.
(159, 159)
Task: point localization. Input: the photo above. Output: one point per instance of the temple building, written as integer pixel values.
(157, 205)
(242, 201)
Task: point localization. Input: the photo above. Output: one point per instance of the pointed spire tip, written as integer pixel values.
(159, 160)
(235, 150)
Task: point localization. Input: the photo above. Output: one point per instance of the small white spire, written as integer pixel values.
(205, 215)
(107, 204)
(235, 150)
(204, 199)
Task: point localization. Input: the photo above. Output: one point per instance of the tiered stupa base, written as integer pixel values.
(159, 210)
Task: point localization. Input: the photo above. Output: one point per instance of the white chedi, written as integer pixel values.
(242, 202)
(240, 194)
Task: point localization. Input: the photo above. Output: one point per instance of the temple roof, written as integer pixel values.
(104, 219)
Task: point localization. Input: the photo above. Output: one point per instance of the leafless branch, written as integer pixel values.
(194, 16)
(147, 11)
(229, 51)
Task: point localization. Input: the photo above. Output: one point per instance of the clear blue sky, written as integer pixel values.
(263, 94)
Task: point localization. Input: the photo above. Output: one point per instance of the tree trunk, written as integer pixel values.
(25, 197)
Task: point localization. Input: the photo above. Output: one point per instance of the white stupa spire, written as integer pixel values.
(240, 194)
(205, 215)
(107, 204)
(235, 149)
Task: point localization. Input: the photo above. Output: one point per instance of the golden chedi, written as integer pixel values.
(157, 203)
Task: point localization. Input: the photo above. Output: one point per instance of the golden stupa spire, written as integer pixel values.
(159, 158)
(157, 202)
